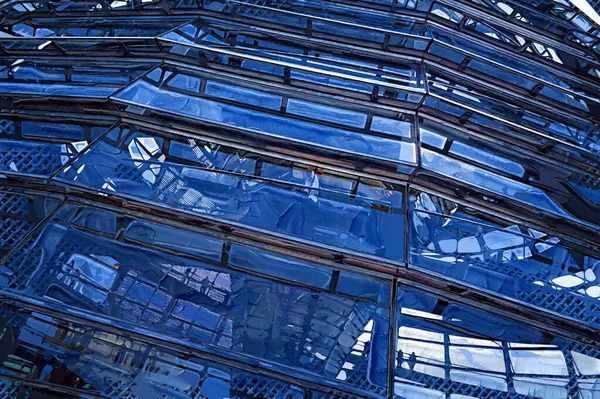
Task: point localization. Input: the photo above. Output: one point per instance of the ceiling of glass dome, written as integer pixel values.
(286, 199)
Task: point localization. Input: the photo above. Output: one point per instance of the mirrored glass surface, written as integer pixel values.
(192, 176)
(483, 106)
(48, 27)
(495, 167)
(60, 78)
(448, 350)
(529, 43)
(209, 199)
(523, 74)
(47, 349)
(184, 94)
(212, 293)
(507, 259)
(345, 23)
(245, 49)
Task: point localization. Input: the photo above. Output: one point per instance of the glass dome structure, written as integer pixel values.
(299, 199)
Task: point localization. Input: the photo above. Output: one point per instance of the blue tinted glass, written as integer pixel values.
(146, 94)
(391, 126)
(327, 114)
(132, 164)
(102, 363)
(176, 240)
(252, 97)
(299, 199)
(322, 67)
(497, 184)
(288, 269)
(510, 260)
(181, 296)
(52, 130)
(571, 129)
(445, 348)
(55, 78)
(487, 163)
(206, 155)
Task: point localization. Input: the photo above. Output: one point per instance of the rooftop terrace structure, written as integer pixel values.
(286, 199)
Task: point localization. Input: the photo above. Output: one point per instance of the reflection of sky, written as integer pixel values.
(342, 319)
(451, 238)
(587, 9)
(318, 208)
(539, 370)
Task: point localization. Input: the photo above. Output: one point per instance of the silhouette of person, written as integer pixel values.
(412, 361)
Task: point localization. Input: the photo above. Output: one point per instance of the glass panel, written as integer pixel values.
(448, 350)
(557, 17)
(94, 27)
(335, 328)
(50, 350)
(502, 111)
(511, 260)
(497, 184)
(495, 166)
(67, 79)
(134, 164)
(524, 42)
(41, 148)
(241, 48)
(343, 22)
(148, 94)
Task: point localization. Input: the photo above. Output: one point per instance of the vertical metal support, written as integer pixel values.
(406, 202)
(508, 368)
(574, 391)
(392, 338)
(447, 362)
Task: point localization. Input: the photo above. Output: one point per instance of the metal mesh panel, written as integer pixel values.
(33, 160)
(14, 204)
(12, 231)
(247, 385)
(7, 127)
(569, 305)
(322, 395)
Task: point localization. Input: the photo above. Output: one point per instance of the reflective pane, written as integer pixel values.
(490, 109)
(56, 78)
(249, 111)
(224, 42)
(194, 177)
(334, 326)
(511, 260)
(496, 167)
(448, 350)
(98, 362)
